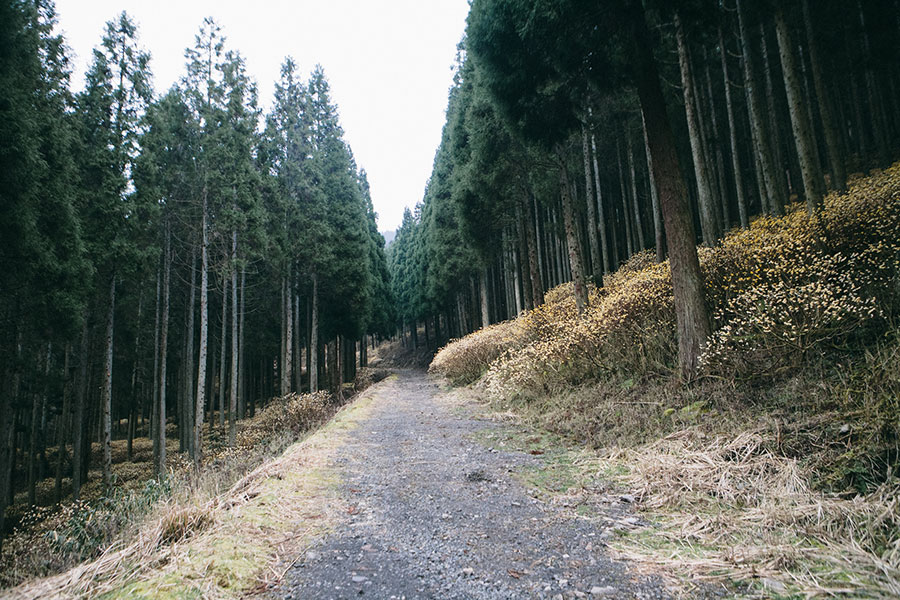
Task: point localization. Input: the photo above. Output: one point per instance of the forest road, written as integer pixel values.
(435, 513)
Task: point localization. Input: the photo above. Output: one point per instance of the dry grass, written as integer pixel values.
(225, 545)
(777, 470)
(726, 509)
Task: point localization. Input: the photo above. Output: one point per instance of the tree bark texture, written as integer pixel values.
(708, 221)
(691, 312)
(809, 166)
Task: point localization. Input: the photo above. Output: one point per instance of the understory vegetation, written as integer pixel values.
(777, 466)
(144, 513)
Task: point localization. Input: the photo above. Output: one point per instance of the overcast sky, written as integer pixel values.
(388, 61)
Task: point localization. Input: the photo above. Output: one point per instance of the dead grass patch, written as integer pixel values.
(232, 543)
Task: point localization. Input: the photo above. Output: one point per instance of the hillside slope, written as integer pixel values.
(779, 463)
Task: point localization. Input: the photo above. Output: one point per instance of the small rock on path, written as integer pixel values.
(431, 513)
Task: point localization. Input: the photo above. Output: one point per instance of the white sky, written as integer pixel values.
(388, 62)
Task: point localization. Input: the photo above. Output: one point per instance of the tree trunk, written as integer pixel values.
(708, 221)
(832, 140)
(9, 400)
(135, 373)
(37, 407)
(758, 122)
(876, 105)
(732, 131)
(809, 166)
(223, 351)
(160, 440)
(531, 240)
(659, 232)
(288, 336)
(154, 406)
(687, 280)
(485, 315)
(314, 337)
(716, 142)
(638, 222)
(783, 172)
(106, 390)
(515, 280)
(601, 216)
(78, 433)
(581, 296)
(232, 403)
(596, 272)
(204, 334)
(297, 360)
(64, 423)
(629, 237)
(521, 222)
(242, 368)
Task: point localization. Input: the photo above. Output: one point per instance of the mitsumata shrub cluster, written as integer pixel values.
(781, 290)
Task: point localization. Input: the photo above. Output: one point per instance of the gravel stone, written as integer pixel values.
(440, 516)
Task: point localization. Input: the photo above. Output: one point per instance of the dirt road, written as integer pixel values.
(434, 511)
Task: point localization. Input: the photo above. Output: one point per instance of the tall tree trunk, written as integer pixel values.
(601, 216)
(596, 269)
(521, 221)
(187, 404)
(691, 312)
(629, 237)
(758, 122)
(717, 144)
(516, 280)
(288, 316)
(533, 247)
(223, 351)
(638, 222)
(876, 105)
(809, 166)
(204, 333)
(160, 440)
(64, 422)
(297, 361)
(314, 337)
(232, 403)
(9, 399)
(732, 131)
(581, 296)
(242, 368)
(782, 174)
(832, 139)
(37, 405)
(135, 374)
(659, 232)
(78, 424)
(539, 239)
(485, 314)
(154, 405)
(106, 390)
(708, 221)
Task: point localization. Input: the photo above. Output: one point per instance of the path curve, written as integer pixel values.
(433, 513)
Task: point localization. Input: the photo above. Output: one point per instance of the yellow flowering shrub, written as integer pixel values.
(777, 291)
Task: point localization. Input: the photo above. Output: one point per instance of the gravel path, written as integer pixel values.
(433, 513)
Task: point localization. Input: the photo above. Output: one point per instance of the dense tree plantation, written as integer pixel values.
(168, 259)
(581, 133)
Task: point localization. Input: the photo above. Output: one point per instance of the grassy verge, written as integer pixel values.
(718, 503)
(229, 530)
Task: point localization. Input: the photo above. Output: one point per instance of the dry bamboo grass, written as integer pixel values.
(270, 512)
(727, 509)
